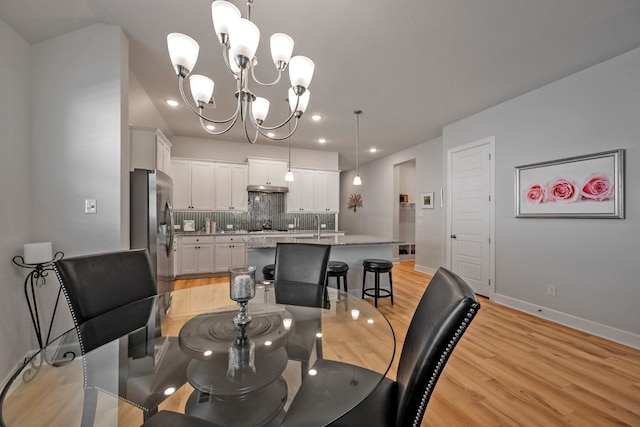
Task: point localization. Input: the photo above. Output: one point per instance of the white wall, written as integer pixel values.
(65, 139)
(592, 262)
(15, 334)
(378, 215)
(207, 149)
(80, 139)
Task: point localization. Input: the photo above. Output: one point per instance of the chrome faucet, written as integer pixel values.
(318, 224)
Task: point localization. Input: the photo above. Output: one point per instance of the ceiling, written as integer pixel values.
(412, 67)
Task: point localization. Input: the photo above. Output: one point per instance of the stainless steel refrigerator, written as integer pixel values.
(152, 222)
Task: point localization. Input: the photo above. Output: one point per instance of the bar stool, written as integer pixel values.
(377, 266)
(338, 269)
(268, 271)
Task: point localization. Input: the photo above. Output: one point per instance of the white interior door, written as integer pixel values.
(471, 207)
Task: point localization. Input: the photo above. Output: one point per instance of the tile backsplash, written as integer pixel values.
(262, 209)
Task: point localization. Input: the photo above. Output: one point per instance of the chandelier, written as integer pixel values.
(239, 38)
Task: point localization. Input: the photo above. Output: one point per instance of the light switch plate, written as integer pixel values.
(90, 206)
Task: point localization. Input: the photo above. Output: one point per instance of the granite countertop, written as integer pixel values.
(264, 242)
(256, 233)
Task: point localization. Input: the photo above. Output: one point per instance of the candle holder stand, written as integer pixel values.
(37, 279)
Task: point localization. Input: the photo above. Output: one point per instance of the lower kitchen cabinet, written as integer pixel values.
(196, 254)
(230, 250)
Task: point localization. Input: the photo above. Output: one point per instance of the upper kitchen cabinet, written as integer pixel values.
(326, 191)
(300, 197)
(314, 191)
(267, 172)
(193, 184)
(150, 149)
(231, 187)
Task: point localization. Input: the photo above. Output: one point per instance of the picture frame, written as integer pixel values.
(426, 200)
(587, 186)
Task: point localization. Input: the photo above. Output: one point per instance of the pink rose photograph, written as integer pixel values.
(589, 186)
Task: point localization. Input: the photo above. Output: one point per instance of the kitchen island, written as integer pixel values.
(351, 249)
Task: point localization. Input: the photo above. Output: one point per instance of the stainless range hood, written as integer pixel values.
(268, 188)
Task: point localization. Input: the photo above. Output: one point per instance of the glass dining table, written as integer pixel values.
(235, 374)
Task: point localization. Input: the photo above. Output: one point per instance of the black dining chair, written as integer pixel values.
(300, 280)
(443, 314)
(112, 297)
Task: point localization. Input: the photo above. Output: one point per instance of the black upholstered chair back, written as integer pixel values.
(96, 284)
(302, 262)
(301, 274)
(444, 312)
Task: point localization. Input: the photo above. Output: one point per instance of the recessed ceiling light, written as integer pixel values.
(322, 140)
(172, 102)
(316, 117)
(271, 134)
(373, 150)
(211, 127)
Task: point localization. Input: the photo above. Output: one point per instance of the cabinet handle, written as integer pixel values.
(453, 236)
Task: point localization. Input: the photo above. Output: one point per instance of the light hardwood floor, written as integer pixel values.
(514, 369)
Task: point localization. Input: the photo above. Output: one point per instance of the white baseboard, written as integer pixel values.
(423, 269)
(618, 335)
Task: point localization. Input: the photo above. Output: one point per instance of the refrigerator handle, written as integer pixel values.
(169, 210)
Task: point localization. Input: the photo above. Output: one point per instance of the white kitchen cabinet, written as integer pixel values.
(230, 250)
(300, 197)
(326, 191)
(231, 187)
(267, 172)
(193, 184)
(196, 254)
(150, 149)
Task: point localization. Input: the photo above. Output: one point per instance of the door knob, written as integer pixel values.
(453, 236)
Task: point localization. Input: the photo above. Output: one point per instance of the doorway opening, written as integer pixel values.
(404, 221)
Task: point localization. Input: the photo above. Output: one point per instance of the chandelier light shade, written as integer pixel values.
(239, 38)
(356, 179)
(281, 50)
(201, 88)
(183, 51)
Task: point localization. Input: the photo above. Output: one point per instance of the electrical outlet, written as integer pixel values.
(551, 290)
(229, 226)
(323, 225)
(291, 225)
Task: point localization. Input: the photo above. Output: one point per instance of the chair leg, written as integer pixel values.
(89, 407)
(377, 290)
(364, 279)
(344, 282)
(391, 287)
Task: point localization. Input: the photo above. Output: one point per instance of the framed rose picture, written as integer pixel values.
(590, 186)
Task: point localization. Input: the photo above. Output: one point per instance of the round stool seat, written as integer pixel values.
(337, 268)
(379, 265)
(269, 271)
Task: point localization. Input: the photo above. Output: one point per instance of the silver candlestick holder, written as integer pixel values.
(242, 288)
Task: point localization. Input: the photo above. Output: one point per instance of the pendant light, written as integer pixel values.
(356, 179)
(288, 177)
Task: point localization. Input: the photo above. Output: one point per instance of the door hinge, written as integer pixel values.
(489, 282)
(489, 156)
(489, 239)
(489, 197)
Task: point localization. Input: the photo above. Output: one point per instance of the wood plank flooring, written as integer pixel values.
(514, 369)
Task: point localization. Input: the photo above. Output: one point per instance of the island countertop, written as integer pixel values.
(263, 242)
